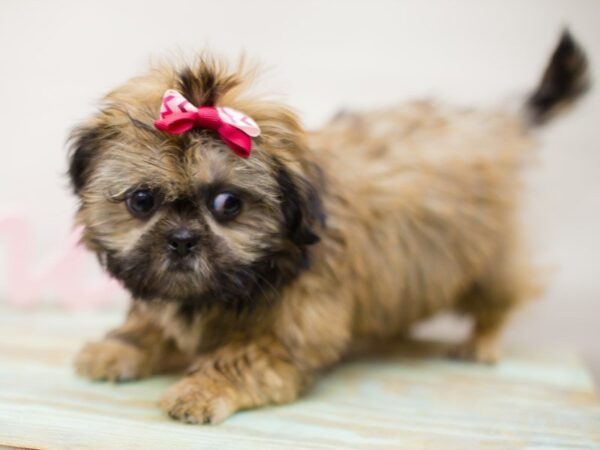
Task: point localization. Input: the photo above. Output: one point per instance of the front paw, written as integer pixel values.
(112, 360)
(198, 399)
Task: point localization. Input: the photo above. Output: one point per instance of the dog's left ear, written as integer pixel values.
(301, 207)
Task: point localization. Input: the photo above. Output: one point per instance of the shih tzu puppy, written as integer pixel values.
(257, 253)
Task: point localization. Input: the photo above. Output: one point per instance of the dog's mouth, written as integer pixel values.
(149, 278)
(186, 265)
(181, 276)
(204, 277)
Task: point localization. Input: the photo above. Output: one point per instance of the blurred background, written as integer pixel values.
(57, 58)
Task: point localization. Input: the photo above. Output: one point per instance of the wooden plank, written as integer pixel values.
(409, 398)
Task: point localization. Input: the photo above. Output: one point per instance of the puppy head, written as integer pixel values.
(183, 218)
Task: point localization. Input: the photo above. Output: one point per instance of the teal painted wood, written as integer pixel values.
(410, 398)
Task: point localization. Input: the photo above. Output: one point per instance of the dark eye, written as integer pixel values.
(225, 205)
(141, 203)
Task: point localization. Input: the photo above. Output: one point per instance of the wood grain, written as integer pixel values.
(409, 397)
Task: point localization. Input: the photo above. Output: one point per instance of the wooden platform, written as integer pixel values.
(411, 398)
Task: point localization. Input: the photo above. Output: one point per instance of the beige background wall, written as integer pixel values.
(57, 57)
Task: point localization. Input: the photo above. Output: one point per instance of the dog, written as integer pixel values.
(258, 254)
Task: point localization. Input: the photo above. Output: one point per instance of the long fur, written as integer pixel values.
(348, 235)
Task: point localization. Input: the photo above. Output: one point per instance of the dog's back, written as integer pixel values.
(440, 185)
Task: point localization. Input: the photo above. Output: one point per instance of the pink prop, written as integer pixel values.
(62, 276)
(178, 115)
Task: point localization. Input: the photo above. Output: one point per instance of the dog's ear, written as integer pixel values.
(301, 207)
(84, 147)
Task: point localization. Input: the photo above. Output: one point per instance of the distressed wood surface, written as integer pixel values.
(410, 398)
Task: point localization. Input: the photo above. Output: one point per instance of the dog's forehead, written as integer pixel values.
(213, 163)
(208, 160)
(182, 167)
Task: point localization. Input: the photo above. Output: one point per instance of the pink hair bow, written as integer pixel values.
(177, 115)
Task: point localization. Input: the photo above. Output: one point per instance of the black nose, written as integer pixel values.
(182, 241)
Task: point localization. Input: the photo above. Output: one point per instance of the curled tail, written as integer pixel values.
(564, 81)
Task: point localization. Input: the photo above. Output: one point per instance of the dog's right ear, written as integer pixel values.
(84, 146)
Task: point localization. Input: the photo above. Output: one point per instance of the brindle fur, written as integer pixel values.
(347, 235)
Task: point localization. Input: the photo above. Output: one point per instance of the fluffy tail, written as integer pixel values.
(564, 81)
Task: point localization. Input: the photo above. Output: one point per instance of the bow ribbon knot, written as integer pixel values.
(178, 115)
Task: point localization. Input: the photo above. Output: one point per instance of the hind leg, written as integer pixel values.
(483, 344)
(490, 303)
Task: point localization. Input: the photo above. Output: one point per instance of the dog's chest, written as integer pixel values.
(185, 331)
